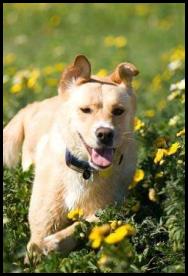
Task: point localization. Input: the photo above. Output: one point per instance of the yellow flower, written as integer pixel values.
(173, 148)
(181, 132)
(17, 87)
(96, 243)
(120, 233)
(138, 176)
(103, 260)
(33, 78)
(97, 235)
(99, 231)
(159, 155)
(178, 53)
(51, 81)
(138, 124)
(75, 214)
(102, 73)
(109, 41)
(150, 113)
(48, 70)
(120, 41)
(59, 67)
(156, 83)
(153, 195)
(9, 58)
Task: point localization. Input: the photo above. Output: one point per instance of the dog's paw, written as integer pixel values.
(33, 254)
(50, 243)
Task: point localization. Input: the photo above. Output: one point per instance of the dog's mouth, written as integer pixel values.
(100, 157)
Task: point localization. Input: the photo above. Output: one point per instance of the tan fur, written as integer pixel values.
(44, 129)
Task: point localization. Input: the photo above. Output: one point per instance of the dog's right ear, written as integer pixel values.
(124, 72)
(79, 72)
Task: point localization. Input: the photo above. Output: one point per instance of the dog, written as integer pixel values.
(81, 143)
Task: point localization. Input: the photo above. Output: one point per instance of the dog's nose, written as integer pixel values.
(105, 135)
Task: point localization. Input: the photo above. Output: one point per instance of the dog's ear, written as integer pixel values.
(124, 72)
(79, 72)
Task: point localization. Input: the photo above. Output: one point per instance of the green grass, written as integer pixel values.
(37, 36)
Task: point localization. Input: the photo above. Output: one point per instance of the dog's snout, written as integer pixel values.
(105, 135)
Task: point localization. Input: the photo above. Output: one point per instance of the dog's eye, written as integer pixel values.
(117, 111)
(86, 109)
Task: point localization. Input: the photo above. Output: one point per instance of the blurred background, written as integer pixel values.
(41, 39)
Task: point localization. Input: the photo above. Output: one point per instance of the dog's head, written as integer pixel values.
(100, 110)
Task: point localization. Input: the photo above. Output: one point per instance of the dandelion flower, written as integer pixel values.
(178, 53)
(173, 148)
(59, 67)
(17, 87)
(120, 41)
(120, 233)
(75, 214)
(181, 132)
(96, 243)
(138, 176)
(9, 58)
(102, 73)
(97, 235)
(159, 155)
(138, 124)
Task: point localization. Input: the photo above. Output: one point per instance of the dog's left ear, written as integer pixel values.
(79, 71)
(124, 72)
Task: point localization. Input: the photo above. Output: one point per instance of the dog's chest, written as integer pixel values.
(76, 191)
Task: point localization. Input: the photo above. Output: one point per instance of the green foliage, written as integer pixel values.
(155, 206)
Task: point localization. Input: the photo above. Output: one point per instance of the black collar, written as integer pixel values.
(78, 165)
(81, 166)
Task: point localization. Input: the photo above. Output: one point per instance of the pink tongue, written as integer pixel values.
(102, 157)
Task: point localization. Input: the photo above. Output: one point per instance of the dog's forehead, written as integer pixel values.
(99, 92)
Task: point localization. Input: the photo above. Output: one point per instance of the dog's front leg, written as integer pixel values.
(63, 240)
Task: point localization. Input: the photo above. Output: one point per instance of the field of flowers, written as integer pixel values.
(146, 233)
